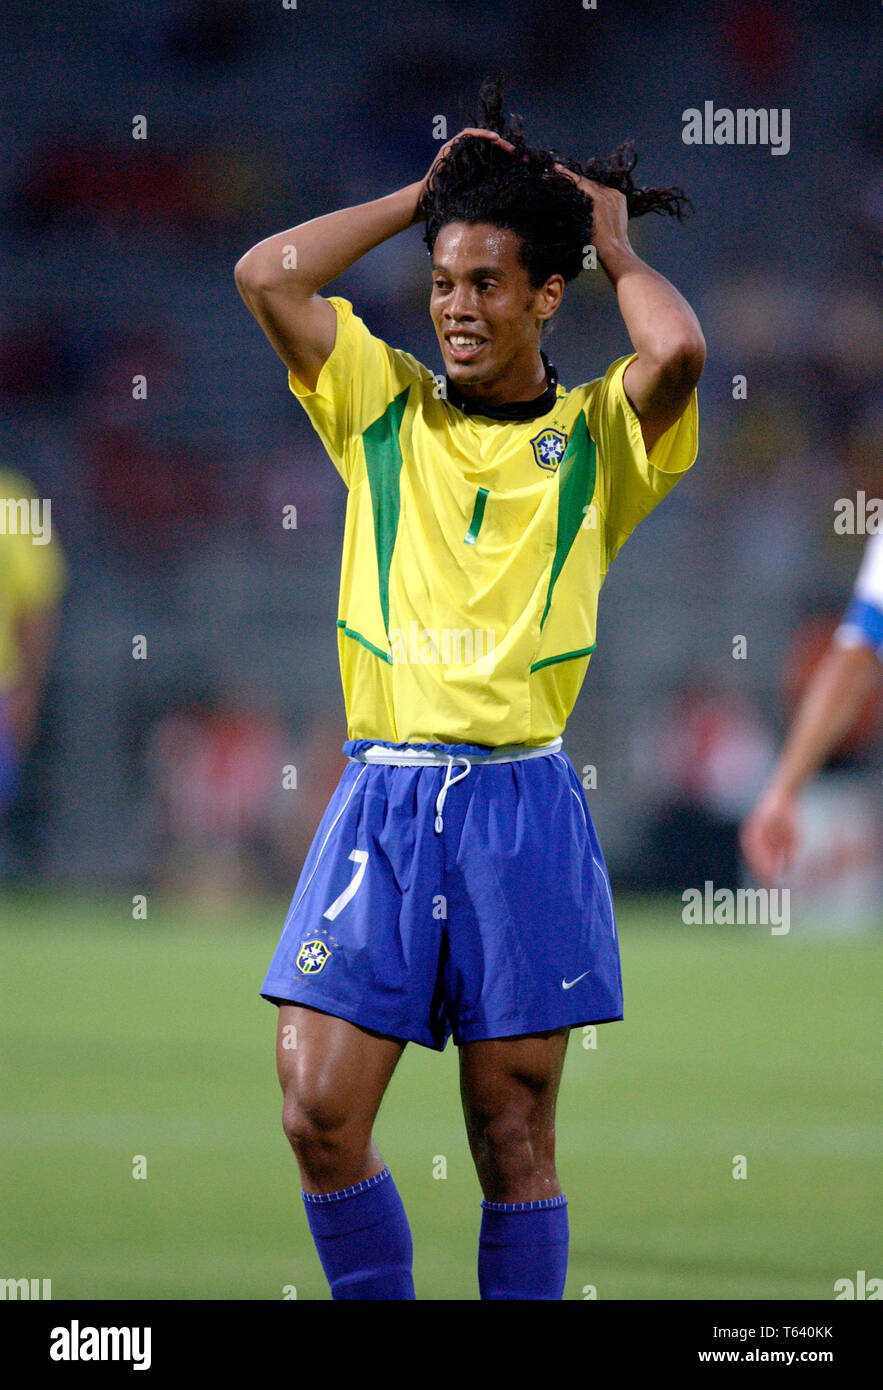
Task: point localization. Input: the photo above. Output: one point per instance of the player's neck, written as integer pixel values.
(523, 380)
(509, 399)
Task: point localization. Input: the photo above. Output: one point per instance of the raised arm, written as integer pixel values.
(280, 277)
(663, 329)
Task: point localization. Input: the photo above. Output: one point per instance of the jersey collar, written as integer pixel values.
(513, 410)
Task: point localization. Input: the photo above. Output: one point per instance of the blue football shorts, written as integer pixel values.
(463, 895)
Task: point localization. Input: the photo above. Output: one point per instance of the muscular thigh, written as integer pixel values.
(330, 1064)
(519, 1076)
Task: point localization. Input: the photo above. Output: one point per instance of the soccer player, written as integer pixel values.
(835, 695)
(456, 885)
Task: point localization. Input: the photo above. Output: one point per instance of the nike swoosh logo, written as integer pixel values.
(569, 984)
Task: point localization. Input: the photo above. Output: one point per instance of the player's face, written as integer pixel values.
(486, 314)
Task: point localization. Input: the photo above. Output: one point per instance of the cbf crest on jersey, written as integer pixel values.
(548, 448)
(311, 957)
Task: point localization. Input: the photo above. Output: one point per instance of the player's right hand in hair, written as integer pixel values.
(771, 835)
(468, 130)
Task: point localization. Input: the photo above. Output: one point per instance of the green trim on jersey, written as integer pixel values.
(383, 460)
(357, 637)
(467, 606)
(564, 656)
(477, 517)
(576, 488)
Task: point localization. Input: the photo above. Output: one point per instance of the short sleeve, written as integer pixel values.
(862, 623)
(358, 380)
(630, 481)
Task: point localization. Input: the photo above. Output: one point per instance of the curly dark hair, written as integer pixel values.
(479, 181)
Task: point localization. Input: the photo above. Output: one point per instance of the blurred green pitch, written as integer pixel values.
(125, 1038)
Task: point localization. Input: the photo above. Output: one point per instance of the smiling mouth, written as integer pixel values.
(463, 347)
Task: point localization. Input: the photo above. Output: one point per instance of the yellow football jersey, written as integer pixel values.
(475, 549)
(32, 568)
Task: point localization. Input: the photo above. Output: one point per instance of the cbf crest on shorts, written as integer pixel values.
(312, 957)
(548, 448)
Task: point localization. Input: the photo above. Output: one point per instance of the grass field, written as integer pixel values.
(125, 1038)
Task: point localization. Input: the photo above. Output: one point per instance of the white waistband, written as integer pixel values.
(436, 757)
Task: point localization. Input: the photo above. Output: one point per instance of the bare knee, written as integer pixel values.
(513, 1138)
(329, 1144)
(333, 1076)
(312, 1119)
(514, 1153)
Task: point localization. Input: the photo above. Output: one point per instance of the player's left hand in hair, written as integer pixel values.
(610, 217)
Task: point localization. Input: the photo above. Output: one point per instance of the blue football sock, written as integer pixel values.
(522, 1250)
(363, 1239)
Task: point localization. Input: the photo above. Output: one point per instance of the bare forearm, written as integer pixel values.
(304, 258)
(829, 706)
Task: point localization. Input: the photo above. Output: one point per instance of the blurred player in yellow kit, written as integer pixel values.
(32, 580)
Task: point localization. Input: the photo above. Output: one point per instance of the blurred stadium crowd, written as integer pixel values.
(168, 501)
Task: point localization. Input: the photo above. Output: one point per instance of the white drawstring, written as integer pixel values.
(434, 757)
(449, 782)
